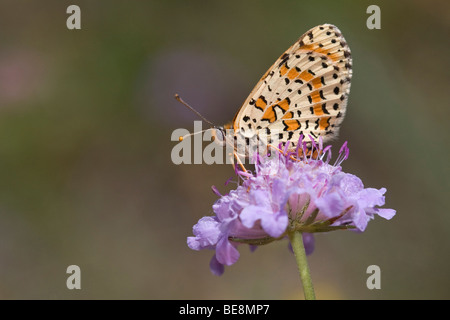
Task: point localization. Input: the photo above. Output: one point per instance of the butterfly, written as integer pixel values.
(303, 94)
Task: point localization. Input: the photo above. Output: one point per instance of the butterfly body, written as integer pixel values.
(304, 93)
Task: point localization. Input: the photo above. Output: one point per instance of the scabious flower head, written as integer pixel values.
(287, 193)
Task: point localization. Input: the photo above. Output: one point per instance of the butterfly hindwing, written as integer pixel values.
(304, 92)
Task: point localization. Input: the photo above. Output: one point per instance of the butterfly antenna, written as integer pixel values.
(193, 110)
(181, 138)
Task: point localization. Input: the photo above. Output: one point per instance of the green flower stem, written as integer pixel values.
(300, 255)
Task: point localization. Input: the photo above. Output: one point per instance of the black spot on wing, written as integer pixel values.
(321, 95)
(284, 58)
(336, 90)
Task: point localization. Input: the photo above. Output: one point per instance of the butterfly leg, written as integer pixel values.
(238, 161)
(269, 146)
(273, 147)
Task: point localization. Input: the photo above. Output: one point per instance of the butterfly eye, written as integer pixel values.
(219, 135)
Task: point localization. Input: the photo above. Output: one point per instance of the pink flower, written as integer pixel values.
(287, 193)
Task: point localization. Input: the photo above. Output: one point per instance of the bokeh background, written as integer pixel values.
(86, 118)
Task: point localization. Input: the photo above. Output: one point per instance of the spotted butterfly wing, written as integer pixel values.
(305, 92)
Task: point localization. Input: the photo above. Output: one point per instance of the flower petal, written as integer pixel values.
(278, 192)
(360, 219)
(331, 205)
(249, 215)
(216, 267)
(206, 233)
(348, 183)
(275, 224)
(371, 197)
(260, 198)
(388, 214)
(308, 242)
(226, 253)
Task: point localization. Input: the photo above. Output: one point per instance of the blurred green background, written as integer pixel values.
(86, 118)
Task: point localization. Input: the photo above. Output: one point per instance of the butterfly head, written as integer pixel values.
(219, 135)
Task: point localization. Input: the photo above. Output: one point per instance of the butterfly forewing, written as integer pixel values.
(305, 91)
